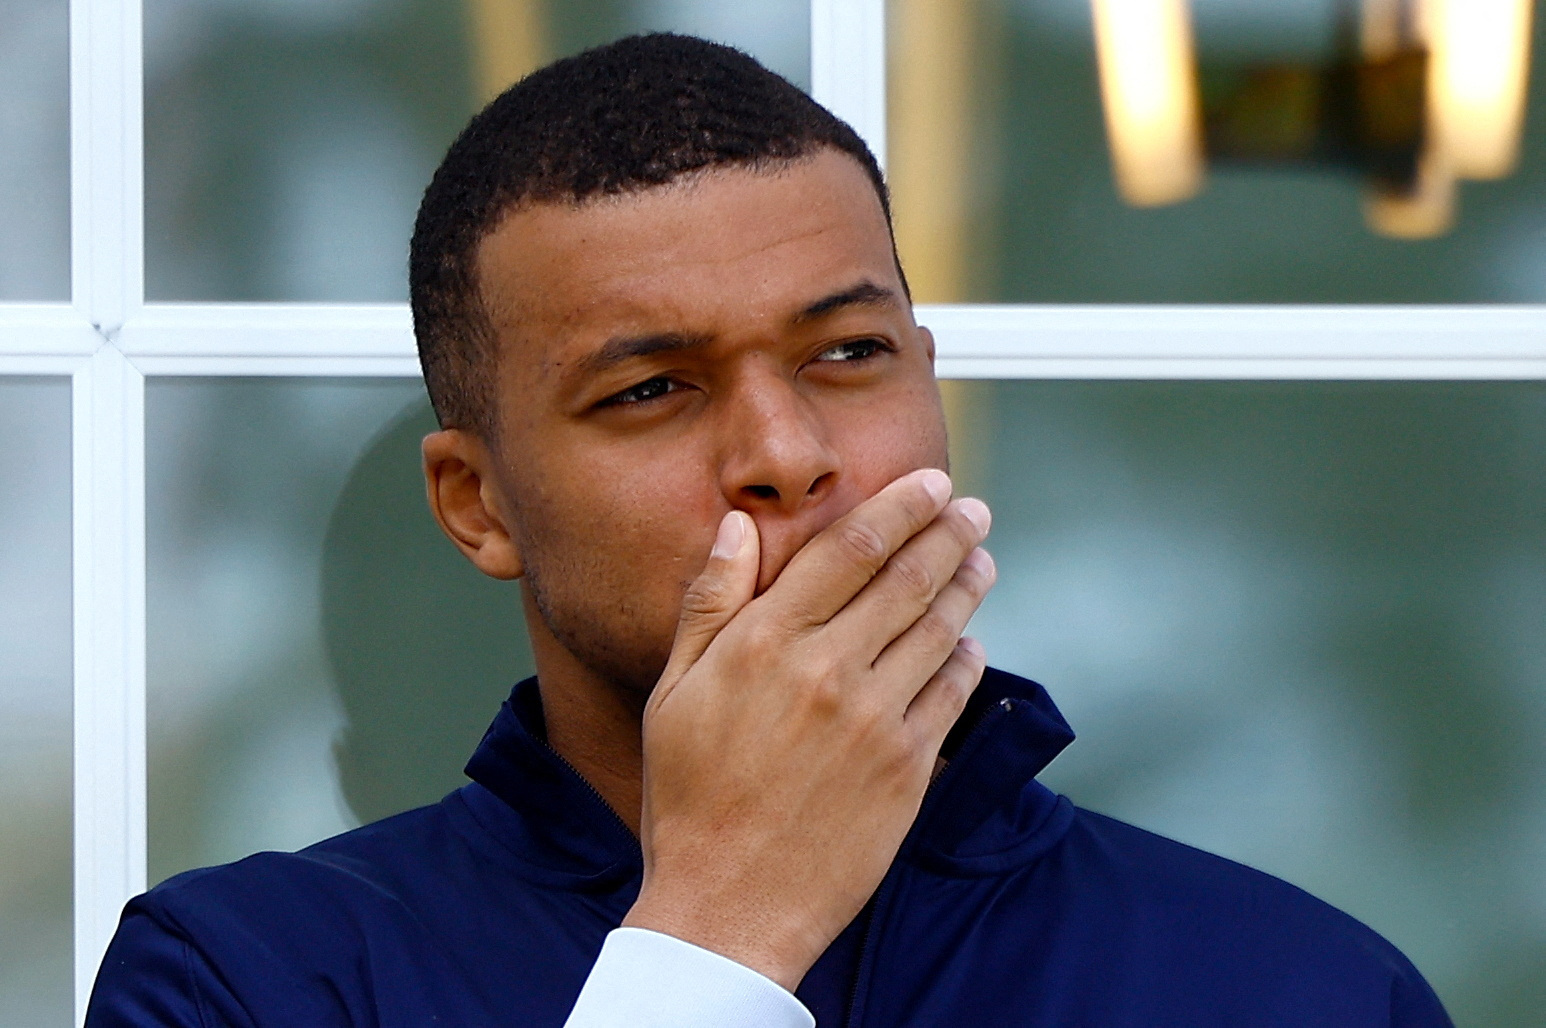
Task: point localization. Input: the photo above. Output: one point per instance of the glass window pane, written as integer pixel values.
(1004, 190)
(320, 655)
(1299, 625)
(287, 142)
(35, 154)
(35, 703)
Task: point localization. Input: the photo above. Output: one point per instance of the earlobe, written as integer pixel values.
(465, 501)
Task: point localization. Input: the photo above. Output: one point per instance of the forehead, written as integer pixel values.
(722, 251)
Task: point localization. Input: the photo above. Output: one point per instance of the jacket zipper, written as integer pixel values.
(616, 818)
(887, 884)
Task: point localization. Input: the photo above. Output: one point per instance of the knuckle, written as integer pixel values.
(822, 666)
(963, 679)
(869, 727)
(956, 682)
(899, 752)
(881, 731)
(863, 543)
(703, 597)
(915, 577)
(824, 692)
(936, 627)
(764, 640)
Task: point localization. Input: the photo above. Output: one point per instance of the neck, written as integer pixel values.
(596, 726)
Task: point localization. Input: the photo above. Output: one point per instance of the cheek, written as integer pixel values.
(626, 526)
(607, 563)
(885, 441)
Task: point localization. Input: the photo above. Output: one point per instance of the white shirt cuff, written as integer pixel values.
(645, 979)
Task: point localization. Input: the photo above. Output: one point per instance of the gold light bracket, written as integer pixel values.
(1422, 93)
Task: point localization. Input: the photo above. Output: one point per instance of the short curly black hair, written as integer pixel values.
(633, 114)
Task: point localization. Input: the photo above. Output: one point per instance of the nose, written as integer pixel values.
(778, 459)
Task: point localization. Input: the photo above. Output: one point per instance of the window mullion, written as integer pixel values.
(108, 413)
(848, 65)
(106, 161)
(108, 399)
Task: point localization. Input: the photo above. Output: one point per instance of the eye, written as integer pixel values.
(854, 350)
(649, 389)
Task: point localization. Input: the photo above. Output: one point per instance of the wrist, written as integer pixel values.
(761, 941)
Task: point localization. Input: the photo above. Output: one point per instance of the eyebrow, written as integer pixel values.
(620, 349)
(865, 294)
(626, 348)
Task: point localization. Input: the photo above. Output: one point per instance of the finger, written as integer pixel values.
(930, 640)
(914, 576)
(827, 572)
(938, 705)
(725, 585)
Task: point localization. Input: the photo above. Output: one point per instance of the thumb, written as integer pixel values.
(725, 585)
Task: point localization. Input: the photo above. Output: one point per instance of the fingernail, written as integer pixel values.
(972, 646)
(977, 513)
(981, 561)
(732, 532)
(937, 484)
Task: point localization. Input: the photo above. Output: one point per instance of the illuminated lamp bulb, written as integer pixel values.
(1481, 67)
(1149, 91)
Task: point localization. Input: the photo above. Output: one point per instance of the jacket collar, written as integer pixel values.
(985, 812)
(549, 817)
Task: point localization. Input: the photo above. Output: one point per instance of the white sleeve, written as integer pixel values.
(646, 979)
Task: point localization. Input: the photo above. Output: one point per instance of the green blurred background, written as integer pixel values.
(1300, 624)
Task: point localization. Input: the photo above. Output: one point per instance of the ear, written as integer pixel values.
(928, 342)
(463, 494)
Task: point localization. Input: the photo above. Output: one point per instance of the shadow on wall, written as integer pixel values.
(423, 647)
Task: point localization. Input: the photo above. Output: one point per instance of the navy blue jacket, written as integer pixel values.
(1006, 905)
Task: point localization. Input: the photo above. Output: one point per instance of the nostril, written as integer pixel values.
(820, 484)
(763, 492)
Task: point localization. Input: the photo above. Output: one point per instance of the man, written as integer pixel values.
(760, 778)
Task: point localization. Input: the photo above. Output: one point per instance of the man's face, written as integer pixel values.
(736, 339)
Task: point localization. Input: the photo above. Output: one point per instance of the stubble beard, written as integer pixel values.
(608, 639)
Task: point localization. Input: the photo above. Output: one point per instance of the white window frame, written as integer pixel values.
(109, 341)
